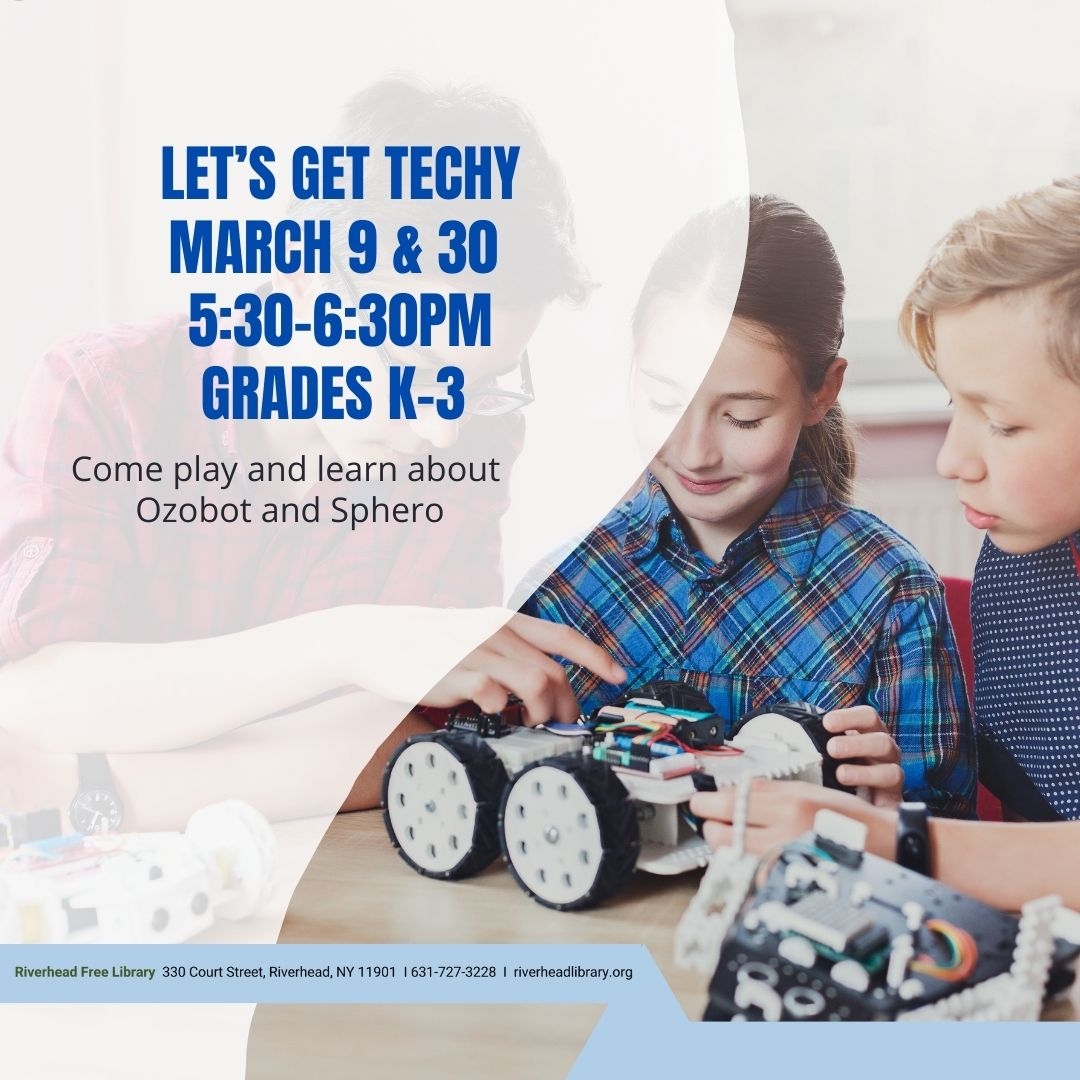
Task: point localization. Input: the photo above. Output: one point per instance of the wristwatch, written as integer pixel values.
(913, 837)
(96, 807)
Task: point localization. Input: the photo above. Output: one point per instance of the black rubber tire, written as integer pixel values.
(671, 693)
(811, 719)
(616, 816)
(487, 779)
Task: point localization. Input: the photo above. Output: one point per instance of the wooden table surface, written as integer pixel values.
(357, 889)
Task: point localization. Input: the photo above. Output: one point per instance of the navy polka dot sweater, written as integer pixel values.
(1025, 611)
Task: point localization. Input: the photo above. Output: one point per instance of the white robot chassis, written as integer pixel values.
(132, 888)
(575, 810)
(823, 932)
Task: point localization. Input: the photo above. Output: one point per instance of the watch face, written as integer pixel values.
(96, 810)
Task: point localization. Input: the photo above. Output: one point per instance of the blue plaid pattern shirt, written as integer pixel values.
(817, 602)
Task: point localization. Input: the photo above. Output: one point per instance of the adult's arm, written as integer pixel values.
(135, 698)
(310, 762)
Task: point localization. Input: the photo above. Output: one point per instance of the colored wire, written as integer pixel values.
(765, 867)
(963, 954)
(649, 733)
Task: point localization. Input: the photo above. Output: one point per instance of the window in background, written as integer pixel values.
(888, 120)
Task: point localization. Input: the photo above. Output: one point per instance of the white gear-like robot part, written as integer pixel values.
(719, 898)
(240, 851)
(138, 888)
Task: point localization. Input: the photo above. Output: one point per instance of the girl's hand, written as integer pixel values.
(781, 810)
(863, 739)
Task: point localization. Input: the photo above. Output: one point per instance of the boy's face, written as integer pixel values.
(1013, 445)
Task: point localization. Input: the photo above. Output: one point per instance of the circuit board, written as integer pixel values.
(833, 934)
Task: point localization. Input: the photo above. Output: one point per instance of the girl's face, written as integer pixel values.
(1013, 444)
(729, 456)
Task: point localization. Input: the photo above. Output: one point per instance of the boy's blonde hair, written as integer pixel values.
(1031, 241)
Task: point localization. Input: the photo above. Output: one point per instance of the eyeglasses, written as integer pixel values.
(493, 395)
(505, 393)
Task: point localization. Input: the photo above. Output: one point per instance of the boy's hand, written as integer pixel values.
(781, 810)
(515, 660)
(863, 739)
(430, 656)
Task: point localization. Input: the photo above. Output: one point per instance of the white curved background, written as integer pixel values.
(639, 106)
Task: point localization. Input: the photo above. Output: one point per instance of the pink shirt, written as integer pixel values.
(76, 563)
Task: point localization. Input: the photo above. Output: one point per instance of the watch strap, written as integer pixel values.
(913, 837)
(94, 773)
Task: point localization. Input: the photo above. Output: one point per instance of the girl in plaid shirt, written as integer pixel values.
(737, 565)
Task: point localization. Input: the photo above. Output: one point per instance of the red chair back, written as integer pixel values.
(958, 601)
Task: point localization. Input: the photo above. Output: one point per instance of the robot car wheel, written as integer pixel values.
(440, 801)
(569, 832)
